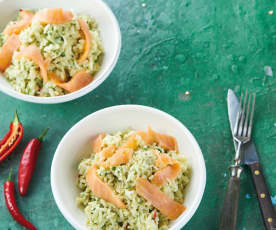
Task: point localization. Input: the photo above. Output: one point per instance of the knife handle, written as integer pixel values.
(265, 203)
(229, 213)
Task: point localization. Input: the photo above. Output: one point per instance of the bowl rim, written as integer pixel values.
(87, 89)
(141, 108)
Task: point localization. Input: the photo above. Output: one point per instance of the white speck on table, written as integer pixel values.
(185, 96)
(268, 71)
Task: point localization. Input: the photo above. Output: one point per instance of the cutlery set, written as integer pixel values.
(241, 113)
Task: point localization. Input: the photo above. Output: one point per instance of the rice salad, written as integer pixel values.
(139, 214)
(62, 44)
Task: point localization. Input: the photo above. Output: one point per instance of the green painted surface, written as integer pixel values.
(170, 47)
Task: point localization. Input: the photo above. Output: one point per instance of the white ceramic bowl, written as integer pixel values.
(108, 26)
(75, 145)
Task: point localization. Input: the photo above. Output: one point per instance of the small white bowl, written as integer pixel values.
(75, 145)
(109, 30)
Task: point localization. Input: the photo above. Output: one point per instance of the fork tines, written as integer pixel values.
(243, 127)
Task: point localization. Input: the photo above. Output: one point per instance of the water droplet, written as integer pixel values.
(144, 4)
(226, 45)
(234, 68)
(231, 57)
(275, 124)
(264, 81)
(247, 196)
(237, 88)
(215, 77)
(55, 222)
(198, 55)
(242, 58)
(225, 174)
(180, 58)
(157, 58)
(165, 67)
(273, 199)
(268, 71)
(255, 79)
(270, 12)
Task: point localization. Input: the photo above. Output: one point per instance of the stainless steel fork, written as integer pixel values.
(243, 128)
(242, 135)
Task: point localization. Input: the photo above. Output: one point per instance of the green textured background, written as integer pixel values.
(170, 47)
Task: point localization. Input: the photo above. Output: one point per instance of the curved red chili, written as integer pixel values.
(12, 207)
(27, 163)
(11, 139)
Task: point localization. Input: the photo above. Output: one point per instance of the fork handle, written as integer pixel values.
(265, 203)
(229, 213)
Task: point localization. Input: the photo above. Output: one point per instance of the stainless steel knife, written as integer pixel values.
(229, 211)
(250, 158)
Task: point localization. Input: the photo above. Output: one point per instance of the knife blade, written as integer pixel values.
(250, 158)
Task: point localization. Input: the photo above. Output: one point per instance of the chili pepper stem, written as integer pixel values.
(15, 120)
(10, 175)
(43, 134)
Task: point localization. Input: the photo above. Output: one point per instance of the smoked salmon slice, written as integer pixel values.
(158, 199)
(97, 143)
(131, 143)
(101, 189)
(163, 160)
(163, 176)
(7, 50)
(108, 151)
(121, 156)
(165, 141)
(87, 37)
(25, 20)
(33, 53)
(149, 140)
(78, 81)
(53, 16)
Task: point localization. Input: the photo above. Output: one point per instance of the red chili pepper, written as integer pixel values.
(11, 204)
(12, 138)
(154, 214)
(27, 163)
